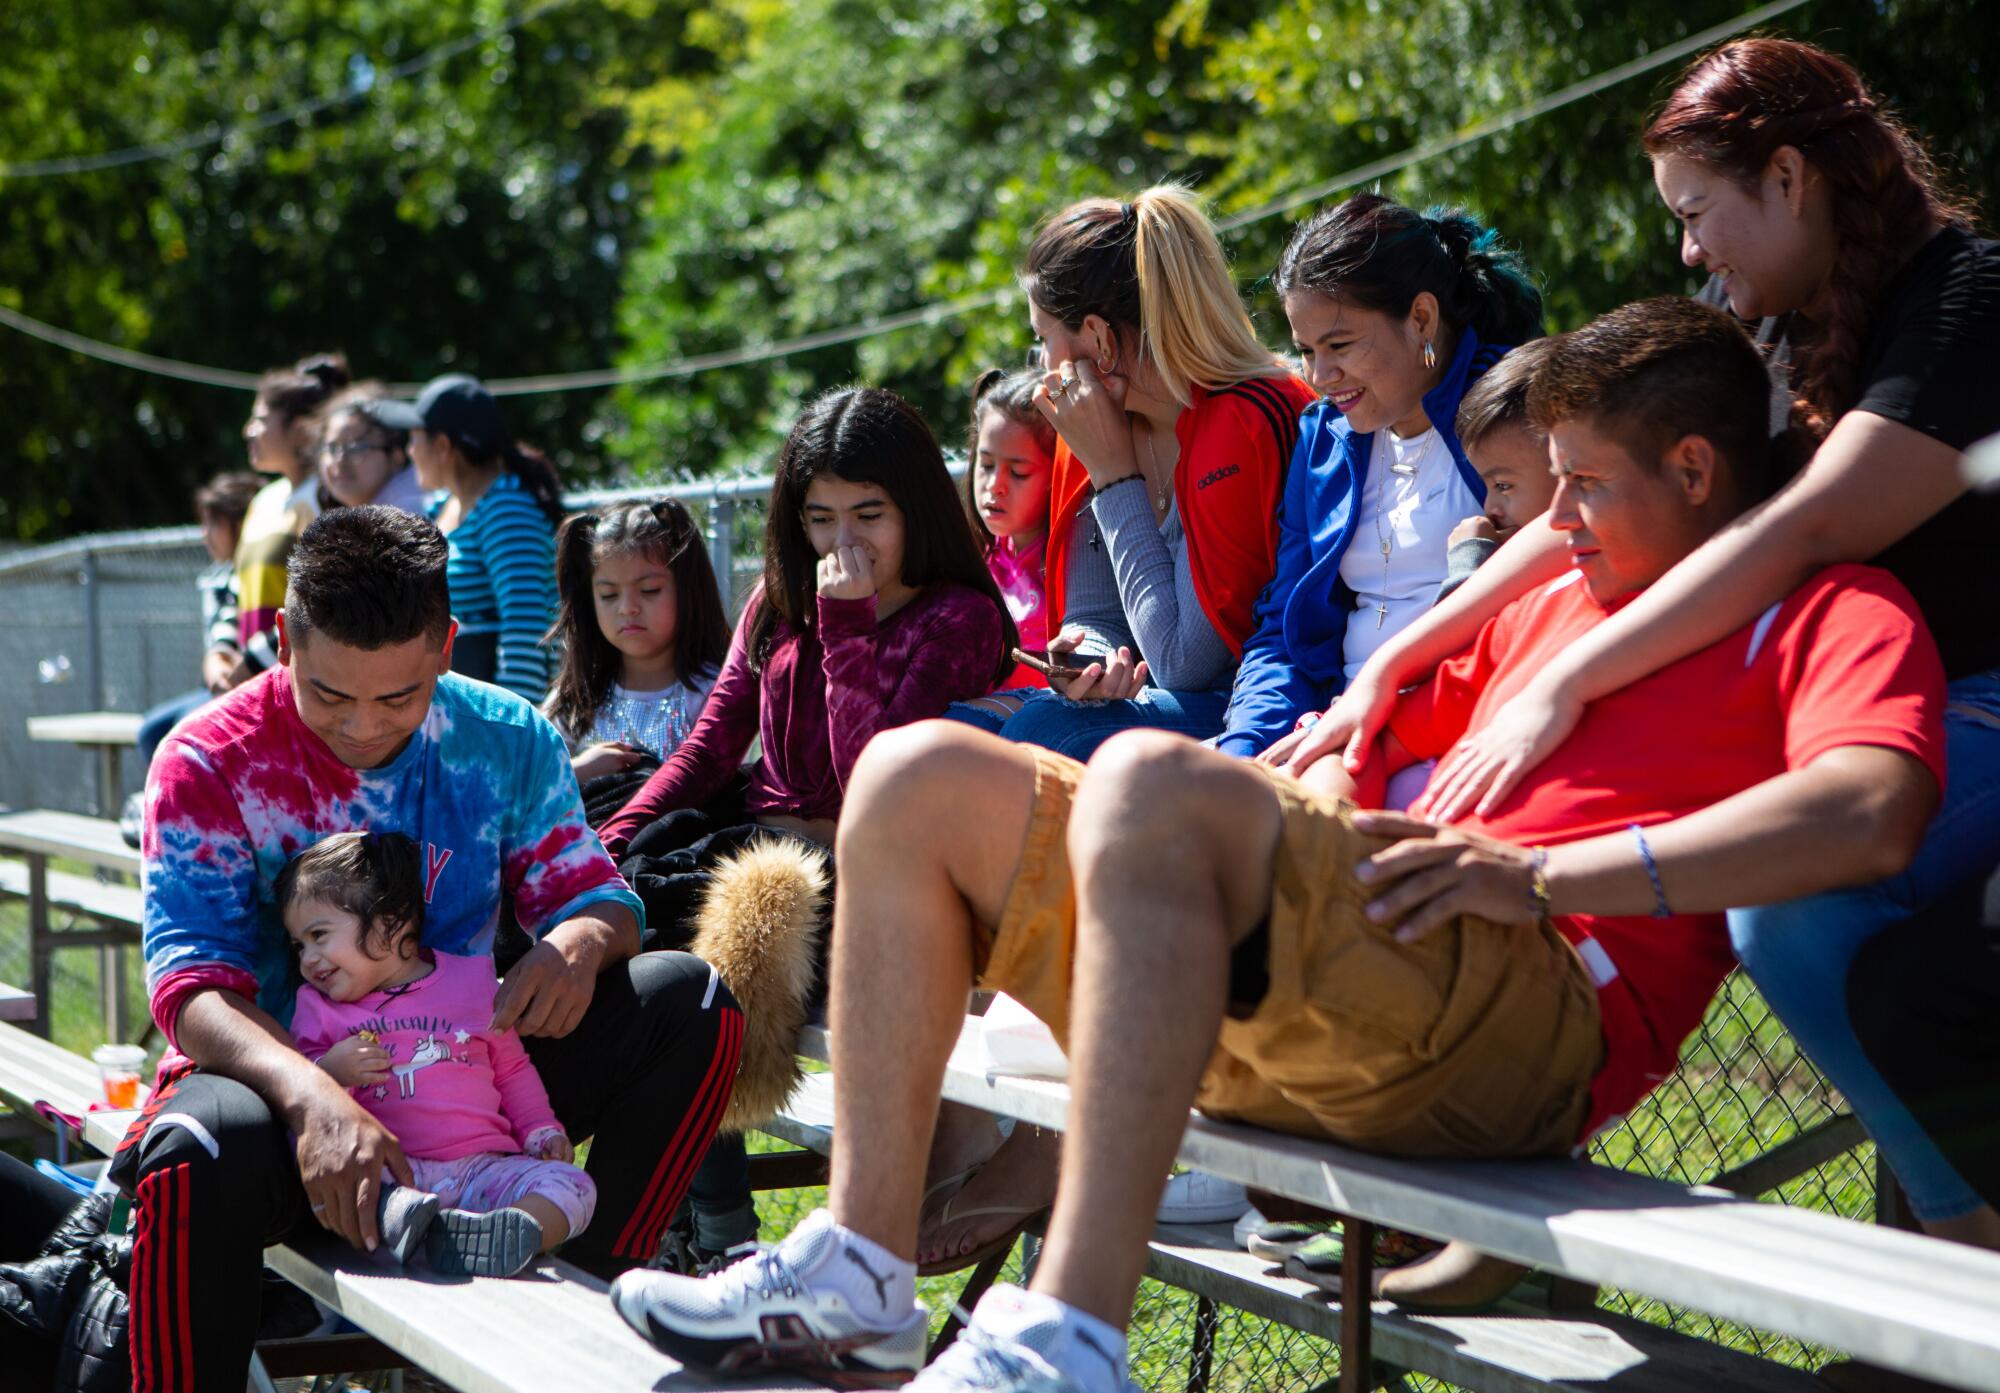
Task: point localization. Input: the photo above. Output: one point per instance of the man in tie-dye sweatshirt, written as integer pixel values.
(363, 726)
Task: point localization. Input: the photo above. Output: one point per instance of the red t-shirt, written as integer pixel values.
(1844, 660)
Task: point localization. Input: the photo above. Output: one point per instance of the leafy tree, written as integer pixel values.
(471, 216)
(852, 161)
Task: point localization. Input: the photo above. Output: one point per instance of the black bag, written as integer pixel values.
(72, 1296)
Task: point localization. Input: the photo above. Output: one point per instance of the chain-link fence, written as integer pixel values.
(109, 623)
(1742, 1089)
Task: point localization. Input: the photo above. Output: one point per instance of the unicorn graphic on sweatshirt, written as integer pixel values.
(427, 1053)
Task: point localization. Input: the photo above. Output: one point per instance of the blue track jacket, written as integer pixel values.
(1292, 663)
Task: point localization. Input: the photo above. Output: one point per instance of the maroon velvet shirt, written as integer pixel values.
(822, 695)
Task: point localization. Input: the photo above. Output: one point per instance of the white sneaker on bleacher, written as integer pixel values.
(1024, 1342)
(1196, 1197)
(783, 1308)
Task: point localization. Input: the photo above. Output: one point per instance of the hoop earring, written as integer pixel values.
(1430, 355)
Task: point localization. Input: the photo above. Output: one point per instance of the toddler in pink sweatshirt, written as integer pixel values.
(409, 1032)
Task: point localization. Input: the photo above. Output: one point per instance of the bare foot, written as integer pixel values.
(1019, 1181)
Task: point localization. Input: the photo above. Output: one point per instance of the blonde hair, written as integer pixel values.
(1154, 265)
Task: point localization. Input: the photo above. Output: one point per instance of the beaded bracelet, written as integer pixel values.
(1538, 886)
(1660, 908)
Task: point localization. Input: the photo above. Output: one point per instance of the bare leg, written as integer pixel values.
(931, 830)
(1171, 846)
(555, 1228)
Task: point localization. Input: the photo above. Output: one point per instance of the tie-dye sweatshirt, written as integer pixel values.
(484, 787)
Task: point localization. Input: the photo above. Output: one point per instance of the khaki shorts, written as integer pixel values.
(1480, 1040)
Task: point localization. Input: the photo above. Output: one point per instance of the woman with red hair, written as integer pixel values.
(1817, 212)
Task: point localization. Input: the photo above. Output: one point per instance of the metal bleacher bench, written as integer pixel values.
(1881, 1294)
(36, 838)
(552, 1327)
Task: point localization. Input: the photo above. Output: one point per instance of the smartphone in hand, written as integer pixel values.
(1061, 669)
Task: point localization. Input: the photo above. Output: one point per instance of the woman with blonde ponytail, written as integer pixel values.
(1175, 425)
(1813, 209)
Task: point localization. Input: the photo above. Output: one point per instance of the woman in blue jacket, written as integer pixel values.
(1395, 314)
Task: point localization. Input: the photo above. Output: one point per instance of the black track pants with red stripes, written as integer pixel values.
(646, 1074)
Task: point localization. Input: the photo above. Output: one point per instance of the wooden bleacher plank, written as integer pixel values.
(114, 904)
(1515, 1350)
(33, 1070)
(17, 1005)
(1896, 1298)
(88, 728)
(551, 1327)
(91, 840)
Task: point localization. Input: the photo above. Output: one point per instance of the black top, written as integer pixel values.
(1932, 363)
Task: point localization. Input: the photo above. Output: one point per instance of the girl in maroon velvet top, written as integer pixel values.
(876, 610)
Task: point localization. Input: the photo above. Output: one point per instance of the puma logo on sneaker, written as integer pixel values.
(881, 1282)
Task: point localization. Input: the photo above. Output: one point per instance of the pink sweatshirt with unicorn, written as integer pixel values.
(457, 1087)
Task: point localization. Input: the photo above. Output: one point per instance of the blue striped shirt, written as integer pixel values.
(502, 574)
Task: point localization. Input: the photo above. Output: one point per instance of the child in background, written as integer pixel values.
(1510, 456)
(1013, 449)
(642, 631)
(408, 1032)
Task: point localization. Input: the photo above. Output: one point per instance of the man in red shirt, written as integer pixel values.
(1198, 929)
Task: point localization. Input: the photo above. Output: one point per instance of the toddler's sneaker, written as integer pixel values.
(402, 1217)
(820, 1303)
(498, 1244)
(1023, 1342)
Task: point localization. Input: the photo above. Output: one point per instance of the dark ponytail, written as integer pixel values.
(538, 476)
(1374, 252)
(293, 393)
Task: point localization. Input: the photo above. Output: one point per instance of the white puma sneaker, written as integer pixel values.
(782, 1308)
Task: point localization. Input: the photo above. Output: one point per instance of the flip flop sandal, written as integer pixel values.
(1319, 1264)
(1021, 1214)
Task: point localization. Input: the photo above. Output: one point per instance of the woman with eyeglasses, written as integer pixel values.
(363, 460)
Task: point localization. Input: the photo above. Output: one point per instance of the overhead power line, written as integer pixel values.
(949, 309)
(213, 134)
